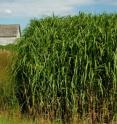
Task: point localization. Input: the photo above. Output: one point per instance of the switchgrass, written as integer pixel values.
(68, 66)
(7, 96)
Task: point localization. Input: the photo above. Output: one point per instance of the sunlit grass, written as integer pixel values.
(16, 118)
(67, 66)
(4, 120)
(65, 69)
(7, 97)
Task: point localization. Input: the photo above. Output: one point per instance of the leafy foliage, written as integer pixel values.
(68, 65)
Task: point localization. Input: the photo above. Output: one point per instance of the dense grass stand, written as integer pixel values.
(66, 68)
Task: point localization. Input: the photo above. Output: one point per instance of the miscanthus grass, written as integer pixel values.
(67, 67)
(7, 95)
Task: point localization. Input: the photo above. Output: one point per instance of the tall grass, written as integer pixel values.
(7, 95)
(67, 67)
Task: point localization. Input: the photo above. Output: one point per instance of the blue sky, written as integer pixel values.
(21, 11)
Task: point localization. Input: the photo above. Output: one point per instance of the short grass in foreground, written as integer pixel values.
(16, 118)
(10, 121)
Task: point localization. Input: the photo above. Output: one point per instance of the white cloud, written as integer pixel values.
(8, 11)
(79, 2)
(37, 8)
(32, 8)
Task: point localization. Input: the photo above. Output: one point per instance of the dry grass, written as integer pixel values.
(16, 118)
(5, 59)
(6, 85)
